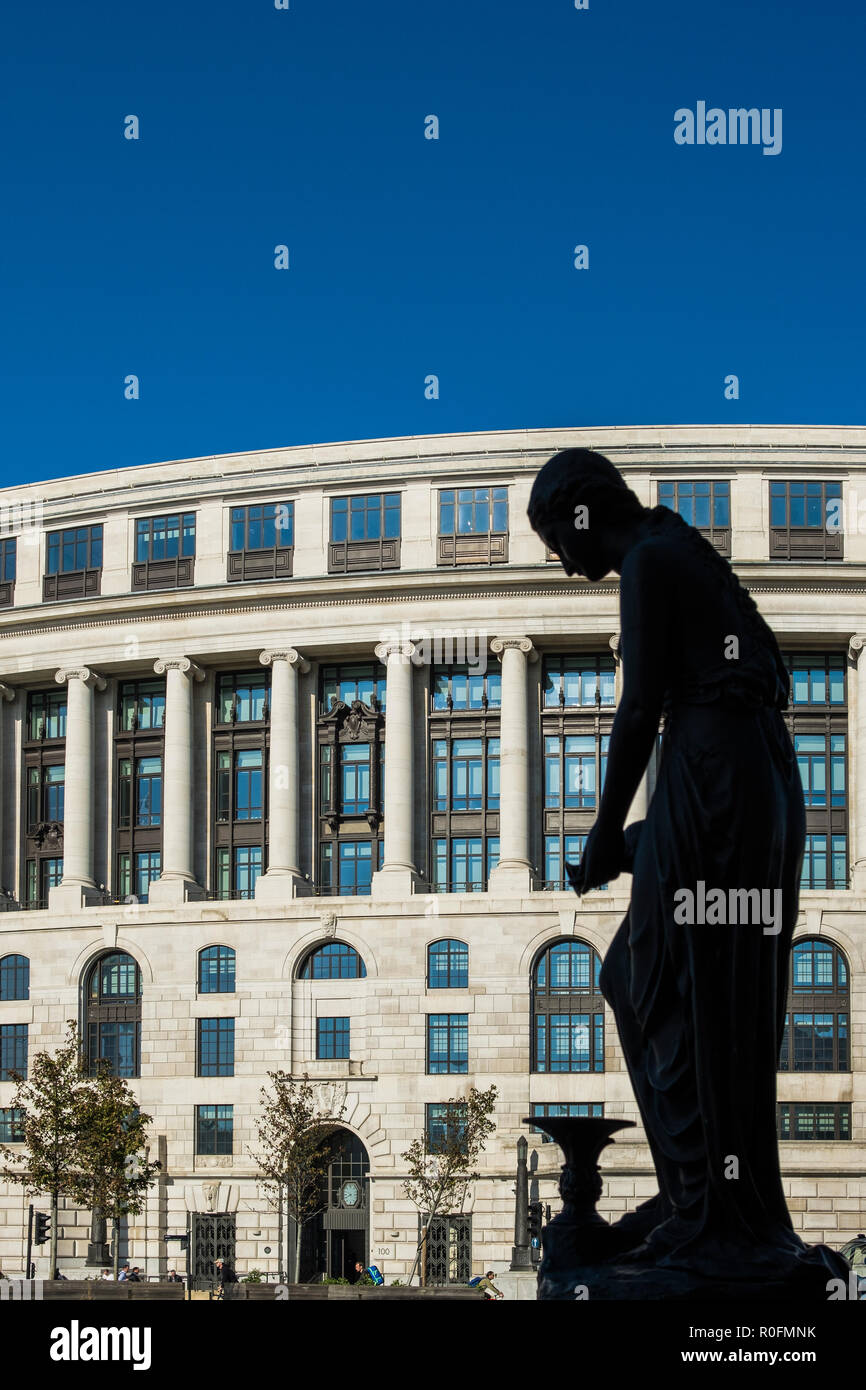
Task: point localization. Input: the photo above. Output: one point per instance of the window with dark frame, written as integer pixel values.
(816, 1037)
(577, 712)
(447, 1044)
(807, 1121)
(215, 1047)
(113, 1014)
(335, 960)
(350, 733)
(445, 1126)
(464, 778)
(13, 1050)
(473, 526)
(164, 551)
(262, 541)
(801, 520)
(216, 970)
(817, 720)
(12, 1125)
(240, 742)
(14, 978)
(332, 1039)
(706, 505)
(567, 1009)
(8, 569)
(573, 1109)
(73, 563)
(365, 533)
(139, 750)
(214, 1129)
(448, 964)
(44, 756)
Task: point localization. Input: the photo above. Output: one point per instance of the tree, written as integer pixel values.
(292, 1132)
(53, 1101)
(439, 1175)
(115, 1172)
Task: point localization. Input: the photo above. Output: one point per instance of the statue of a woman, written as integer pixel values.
(699, 1005)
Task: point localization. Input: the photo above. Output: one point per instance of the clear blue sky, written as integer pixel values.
(410, 256)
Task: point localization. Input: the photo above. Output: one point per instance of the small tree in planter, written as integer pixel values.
(291, 1158)
(439, 1177)
(53, 1099)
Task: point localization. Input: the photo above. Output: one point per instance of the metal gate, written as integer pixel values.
(211, 1238)
(448, 1250)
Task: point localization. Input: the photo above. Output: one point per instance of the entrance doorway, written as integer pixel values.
(339, 1236)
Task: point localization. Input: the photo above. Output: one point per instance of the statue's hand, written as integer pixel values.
(603, 859)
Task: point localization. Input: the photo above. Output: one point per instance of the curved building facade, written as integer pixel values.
(293, 748)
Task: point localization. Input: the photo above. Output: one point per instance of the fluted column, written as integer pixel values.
(283, 877)
(398, 874)
(77, 886)
(857, 761)
(646, 785)
(177, 882)
(513, 872)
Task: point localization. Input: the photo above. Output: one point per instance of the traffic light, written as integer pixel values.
(535, 1214)
(43, 1228)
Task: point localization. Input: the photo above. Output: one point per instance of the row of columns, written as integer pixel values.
(398, 876)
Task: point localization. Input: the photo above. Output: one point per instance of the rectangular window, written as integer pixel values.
(214, 1129)
(446, 1127)
(215, 1047)
(825, 862)
(559, 851)
(140, 798)
(13, 1050)
(242, 698)
(817, 682)
(463, 688)
(11, 1125)
(467, 788)
(46, 716)
(704, 505)
(332, 1038)
(804, 521)
(73, 563)
(355, 859)
(8, 565)
(579, 682)
(569, 1042)
(344, 684)
(574, 770)
(819, 1042)
(148, 867)
(118, 1043)
(365, 533)
(447, 1043)
(575, 1109)
(473, 526)
(249, 785)
(165, 537)
(262, 542)
(45, 794)
(816, 1120)
(142, 706)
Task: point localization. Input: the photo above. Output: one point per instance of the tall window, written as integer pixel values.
(262, 541)
(113, 1014)
(447, 1248)
(8, 566)
(816, 1024)
(567, 1009)
(447, 1043)
(817, 721)
(704, 505)
(73, 562)
(215, 1047)
(139, 741)
(13, 1050)
(464, 796)
(240, 784)
(12, 1125)
(445, 1126)
(351, 743)
(799, 516)
(332, 1038)
(164, 551)
(448, 964)
(365, 533)
(333, 961)
(14, 978)
(216, 970)
(44, 778)
(214, 1129)
(576, 717)
(473, 526)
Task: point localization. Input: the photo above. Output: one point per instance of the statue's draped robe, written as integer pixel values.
(700, 1008)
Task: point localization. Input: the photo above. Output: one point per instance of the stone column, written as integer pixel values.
(9, 782)
(513, 872)
(283, 877)
(398, 876)
(857, 761)
(77, 887)
(640, 802)
(176, 884)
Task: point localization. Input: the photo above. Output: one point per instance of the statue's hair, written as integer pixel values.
(580, 477)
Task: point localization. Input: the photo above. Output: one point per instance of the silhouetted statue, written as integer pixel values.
(699, 1007)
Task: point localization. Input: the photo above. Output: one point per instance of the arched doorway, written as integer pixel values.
(340, 1235)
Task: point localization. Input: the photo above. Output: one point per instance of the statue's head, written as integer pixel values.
(578, 506)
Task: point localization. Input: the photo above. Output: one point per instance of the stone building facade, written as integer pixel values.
(293, 746)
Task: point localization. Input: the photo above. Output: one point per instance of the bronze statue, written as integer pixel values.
(699, 1005)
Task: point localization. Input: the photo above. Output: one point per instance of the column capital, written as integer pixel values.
(81, 673)
(289, 654)
(499, 645)
(178, 663)
(615, 644)
(855, 646)
(7, 693)
(396, 647)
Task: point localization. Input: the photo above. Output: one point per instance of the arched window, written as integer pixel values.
(816, 1023)
(447, 965)
(216, 970)
(113, 1014)
(14, 978)
(567, 1009)
(334, 961)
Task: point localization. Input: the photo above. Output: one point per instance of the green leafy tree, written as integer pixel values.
(115, 1171)
(292, 1158)
(439, 1177)
(53, 1099)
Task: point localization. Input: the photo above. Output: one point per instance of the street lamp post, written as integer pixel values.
(521, 1257)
